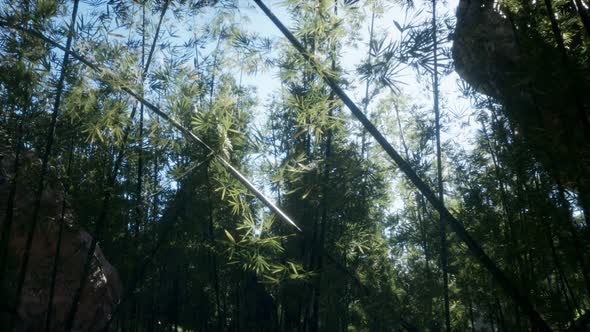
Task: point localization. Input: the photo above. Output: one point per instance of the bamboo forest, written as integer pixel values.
(294, 165)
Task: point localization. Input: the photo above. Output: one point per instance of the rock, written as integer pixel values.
(545, 99)
(103, 288)
(484, 49)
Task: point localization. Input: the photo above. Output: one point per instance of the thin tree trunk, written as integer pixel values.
(59, 241)
(211, 234)
(325, 199)
(156, 181)
(176, 291)
(212, 255)
(152, 321)
(9, 215)
(401, 132)
(440, 187)
(367, 84)
(492, 320)
(139, 195)
(139, 211)
(238, 307)
(213, 72)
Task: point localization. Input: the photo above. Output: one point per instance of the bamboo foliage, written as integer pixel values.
(173, 142)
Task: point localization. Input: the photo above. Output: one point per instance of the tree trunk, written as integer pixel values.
(440, 187)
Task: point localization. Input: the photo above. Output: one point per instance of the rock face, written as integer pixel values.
(545, 99)
(485, 52)
(103, 289)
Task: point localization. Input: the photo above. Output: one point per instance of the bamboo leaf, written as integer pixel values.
(229, 236)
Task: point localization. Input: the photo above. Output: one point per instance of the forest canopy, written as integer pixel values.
(302, 165)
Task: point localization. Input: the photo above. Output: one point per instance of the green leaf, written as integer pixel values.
(229, 236)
